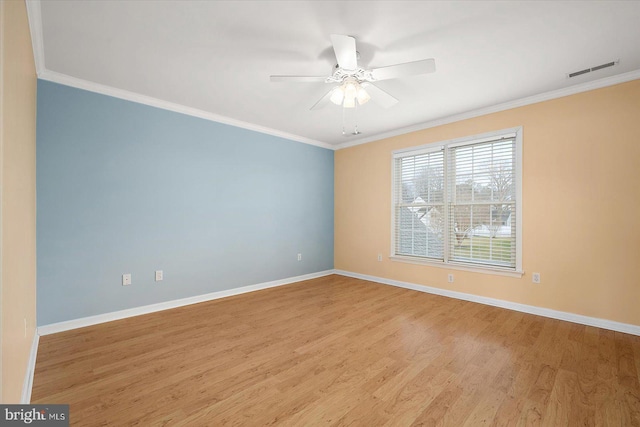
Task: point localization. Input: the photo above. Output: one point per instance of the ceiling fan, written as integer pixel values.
(354, 83)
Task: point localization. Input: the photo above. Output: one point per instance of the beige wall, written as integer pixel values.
(581, 205)
(18, 193)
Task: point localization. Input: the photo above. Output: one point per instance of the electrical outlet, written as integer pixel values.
(299, 257)
(126, 279)
(535, 277)
(159, 275)
(379, 257)
(450, 278)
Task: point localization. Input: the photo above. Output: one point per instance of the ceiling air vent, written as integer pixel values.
(588, 70)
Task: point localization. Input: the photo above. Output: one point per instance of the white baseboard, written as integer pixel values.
(540, 311)
(137, 311)
(31, 368)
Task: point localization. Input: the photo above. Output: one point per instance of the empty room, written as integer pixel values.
(297, 213)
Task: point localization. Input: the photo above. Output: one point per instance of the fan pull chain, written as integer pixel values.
(343, 120)
(355, 119)
(352, 117)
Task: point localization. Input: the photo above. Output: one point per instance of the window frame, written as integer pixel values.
(445, 262)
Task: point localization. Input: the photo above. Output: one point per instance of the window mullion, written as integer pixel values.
(446, 228)
(470, 193)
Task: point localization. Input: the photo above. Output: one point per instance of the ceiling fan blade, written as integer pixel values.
(323, 101)
(303, 79)
(402, 70)
(379, 96)
(345, 50)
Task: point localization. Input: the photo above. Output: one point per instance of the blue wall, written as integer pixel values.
(127, 188)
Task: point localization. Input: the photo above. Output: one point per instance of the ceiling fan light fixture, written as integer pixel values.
(337, 95)
(349, 102)
(363, 96)
(355, 82)
(347, 94)
(351, 89)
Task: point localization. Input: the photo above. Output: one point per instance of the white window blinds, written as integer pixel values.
(458, 202)
(482, 210)
(419, 208)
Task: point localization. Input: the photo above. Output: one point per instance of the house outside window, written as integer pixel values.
(458, 203)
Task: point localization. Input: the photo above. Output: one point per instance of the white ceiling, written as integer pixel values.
(215, 57)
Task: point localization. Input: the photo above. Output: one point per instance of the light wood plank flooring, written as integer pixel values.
(341, 351)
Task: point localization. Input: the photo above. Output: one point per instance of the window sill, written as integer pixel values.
(453, 266)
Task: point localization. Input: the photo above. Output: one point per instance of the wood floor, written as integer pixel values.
(341, 351)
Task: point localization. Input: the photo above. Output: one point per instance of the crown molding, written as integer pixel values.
(34, 14)
(35, 24)
(67, 80)
(546, 96)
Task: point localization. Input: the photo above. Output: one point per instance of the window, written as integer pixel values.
(458, 202)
